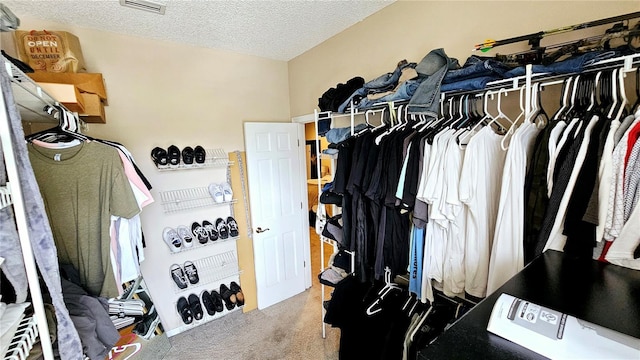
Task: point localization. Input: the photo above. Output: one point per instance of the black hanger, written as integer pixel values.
(59, 133)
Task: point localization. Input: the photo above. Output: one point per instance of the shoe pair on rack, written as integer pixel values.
(182, 274)
(172, 155)
(212, 301)
(232, 295)
(177, 239)
(205, 232)
(191, 155)
(189, 309)
(221, 193)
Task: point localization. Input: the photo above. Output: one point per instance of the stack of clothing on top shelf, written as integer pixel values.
(419, 83)
(478, 71)
(384, 88)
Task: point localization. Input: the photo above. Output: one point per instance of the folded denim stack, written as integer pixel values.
(382, 89)
(474, 74)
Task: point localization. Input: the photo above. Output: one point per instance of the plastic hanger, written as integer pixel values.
(501, 116)
(462, 112)
(569, 114)
(386, 289)
(62, 132)
(566, 87)
(623, 94)
(636, 105)
(394, 125)
(462, 140)
(366, 120)
(613, 93)
(538, 113)
(591, 88)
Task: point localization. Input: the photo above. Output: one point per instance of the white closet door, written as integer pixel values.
(276, 188)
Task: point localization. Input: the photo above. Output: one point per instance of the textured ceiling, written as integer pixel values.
(278, 30)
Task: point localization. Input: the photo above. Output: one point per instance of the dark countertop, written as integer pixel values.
(603, 294)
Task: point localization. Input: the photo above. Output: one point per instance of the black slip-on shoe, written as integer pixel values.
(228, 296)
(173, 153)
(184, 310)
(195, 306)
(159, 157)
(218, 302)
(208, 302)
(199, 154)
(187, 155)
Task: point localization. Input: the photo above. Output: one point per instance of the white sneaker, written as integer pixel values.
(216, 192)
(227, 192)
(185, 235)
(170, 236)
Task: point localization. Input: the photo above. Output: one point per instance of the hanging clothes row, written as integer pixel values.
(93, 194)
(464, 200)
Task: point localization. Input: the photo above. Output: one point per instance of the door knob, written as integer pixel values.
(261, 230)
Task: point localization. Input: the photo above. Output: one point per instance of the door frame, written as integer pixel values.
(302, 121)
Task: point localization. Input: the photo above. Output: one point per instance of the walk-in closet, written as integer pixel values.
(319, 180)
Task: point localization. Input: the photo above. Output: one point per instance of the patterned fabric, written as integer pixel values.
(631, 181)
(615, 211)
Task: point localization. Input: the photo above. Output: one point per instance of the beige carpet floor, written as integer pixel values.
(291, 329)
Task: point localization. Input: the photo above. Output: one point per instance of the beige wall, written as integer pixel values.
(162, 93)
(410, 29)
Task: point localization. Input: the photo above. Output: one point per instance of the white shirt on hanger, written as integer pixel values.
(480, 183)
(507, 252)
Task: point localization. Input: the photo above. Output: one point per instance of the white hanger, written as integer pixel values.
(502, 115)
(573, 94)
(393, 115)
(623, 94)
(614, 92)
(487, 116)
(382, 124)
(565, 95)
(386, 289)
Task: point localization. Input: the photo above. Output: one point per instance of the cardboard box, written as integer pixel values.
(93, 109)
(86, 82)
(66, 94)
